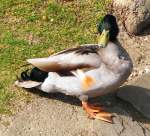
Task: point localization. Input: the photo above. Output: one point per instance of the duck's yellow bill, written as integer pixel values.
(103, 38)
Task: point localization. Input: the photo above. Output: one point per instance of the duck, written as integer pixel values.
(87, 71)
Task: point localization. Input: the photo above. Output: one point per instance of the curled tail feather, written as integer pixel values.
(30, 79)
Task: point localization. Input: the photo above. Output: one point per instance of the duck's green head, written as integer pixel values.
(107, 29)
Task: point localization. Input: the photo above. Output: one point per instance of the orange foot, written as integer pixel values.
(97, 112)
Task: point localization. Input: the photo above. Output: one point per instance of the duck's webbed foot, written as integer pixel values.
(97, 112)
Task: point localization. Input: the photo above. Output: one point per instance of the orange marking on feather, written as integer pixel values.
(88, 82)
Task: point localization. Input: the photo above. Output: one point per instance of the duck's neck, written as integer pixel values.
(110, 52)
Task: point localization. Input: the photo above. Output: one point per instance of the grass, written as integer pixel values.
(31, 28)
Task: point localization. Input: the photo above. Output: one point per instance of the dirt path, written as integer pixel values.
(52, 117)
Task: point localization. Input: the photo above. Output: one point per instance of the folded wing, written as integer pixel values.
(71, 59)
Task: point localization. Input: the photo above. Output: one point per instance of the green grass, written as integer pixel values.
(29, 28)
(5, 96)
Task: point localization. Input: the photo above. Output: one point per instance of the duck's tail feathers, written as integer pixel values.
(31, 79)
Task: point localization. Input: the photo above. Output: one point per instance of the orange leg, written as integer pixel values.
(97, 112)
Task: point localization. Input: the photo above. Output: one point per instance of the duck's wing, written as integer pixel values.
(70, 59)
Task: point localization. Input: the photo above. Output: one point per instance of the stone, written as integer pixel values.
(50, 117)
(135, 14)
(138, 94)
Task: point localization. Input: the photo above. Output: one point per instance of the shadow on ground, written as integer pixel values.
(111, 102)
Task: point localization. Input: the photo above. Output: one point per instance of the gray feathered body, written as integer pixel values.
(110, 67)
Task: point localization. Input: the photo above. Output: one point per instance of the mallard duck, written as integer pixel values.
(86, 71)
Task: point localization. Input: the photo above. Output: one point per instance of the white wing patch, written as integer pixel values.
(27, 84)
